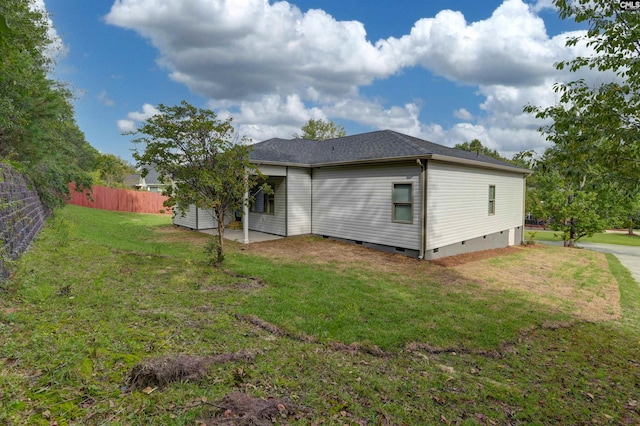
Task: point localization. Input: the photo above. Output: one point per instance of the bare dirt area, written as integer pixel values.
(176, 234)
(320, 251)
(573, 280)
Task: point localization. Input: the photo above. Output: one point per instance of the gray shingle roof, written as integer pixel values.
(383, 144)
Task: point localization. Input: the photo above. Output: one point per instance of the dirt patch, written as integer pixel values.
(239, 409)
(176, 234)
(461, 259)
(572, 280)
(338, 254)
(161, 371)
(274, 329)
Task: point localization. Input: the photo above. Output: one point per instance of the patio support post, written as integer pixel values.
(245, 217)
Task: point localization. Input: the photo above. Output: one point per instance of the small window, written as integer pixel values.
(402, 200)
(492, 199)
(258, 203)
(269, 203)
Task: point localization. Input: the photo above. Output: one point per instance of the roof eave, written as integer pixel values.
(279, 163)
(476, 163)
(434, 157)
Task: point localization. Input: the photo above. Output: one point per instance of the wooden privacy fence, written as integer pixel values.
(122, 200)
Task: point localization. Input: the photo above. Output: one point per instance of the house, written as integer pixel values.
(150, 182)
(389, 191)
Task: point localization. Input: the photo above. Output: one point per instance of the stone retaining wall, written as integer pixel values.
(21, 216)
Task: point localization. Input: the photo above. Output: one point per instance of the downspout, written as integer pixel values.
(423, 206)
(524, 207)
(245, 212)
(286, 201)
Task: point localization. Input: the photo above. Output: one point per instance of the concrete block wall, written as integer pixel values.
(22, 216)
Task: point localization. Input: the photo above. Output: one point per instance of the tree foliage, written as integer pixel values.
(200, 157)
(594, 127)
(111, 171)
(476, 146)
(320, 130)
(38, 132)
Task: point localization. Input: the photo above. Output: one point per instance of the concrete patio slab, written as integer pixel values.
(238, 235)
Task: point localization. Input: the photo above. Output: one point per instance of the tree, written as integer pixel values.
(595, 127)
(200, 155)
(38, 132)
(476, 146)
(112, 171)
(320, 130)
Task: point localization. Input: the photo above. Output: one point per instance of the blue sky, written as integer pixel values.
(446, 71)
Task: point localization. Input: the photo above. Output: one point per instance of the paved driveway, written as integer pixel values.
(629, 256)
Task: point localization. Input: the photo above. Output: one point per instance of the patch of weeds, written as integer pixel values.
(62, 230)
(214, 252)
(531, 238)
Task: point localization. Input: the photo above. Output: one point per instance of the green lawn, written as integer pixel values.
(100, 291)
(604, 238)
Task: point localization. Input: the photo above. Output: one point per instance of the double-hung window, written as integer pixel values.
(402, 200)
(492, 199)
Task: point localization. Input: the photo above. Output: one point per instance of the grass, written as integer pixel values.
(603, 238)
(101, 291)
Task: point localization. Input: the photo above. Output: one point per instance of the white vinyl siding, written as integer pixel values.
(299, 204)
(457, 203)
(355, 203)
(272, 223)
(197, 218)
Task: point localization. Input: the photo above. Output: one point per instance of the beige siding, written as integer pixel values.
(355, 203)
(299, 205)
(458, 203)
(272, 223)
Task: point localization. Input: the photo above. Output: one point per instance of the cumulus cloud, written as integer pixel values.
(272, 66)
(463, 114)
(56, 50)
(130, 125)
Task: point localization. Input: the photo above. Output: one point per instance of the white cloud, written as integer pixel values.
(272, 67)
(127, 126)
(56, 50)
(463, 114)
(133, 118)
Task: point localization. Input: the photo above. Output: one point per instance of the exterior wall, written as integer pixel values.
(354, 203)
(275, 223)
(197, 219)
(299, 201)
(458, 206)
(486, 242)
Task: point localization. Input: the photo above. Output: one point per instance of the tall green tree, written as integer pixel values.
(38, 131)
(476, 146)
(207, 164)
(594, 127)
(111, 171)
(320, 130)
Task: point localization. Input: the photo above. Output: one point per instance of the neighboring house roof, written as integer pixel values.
(132, 179)
(384, 145)
(152, 177)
